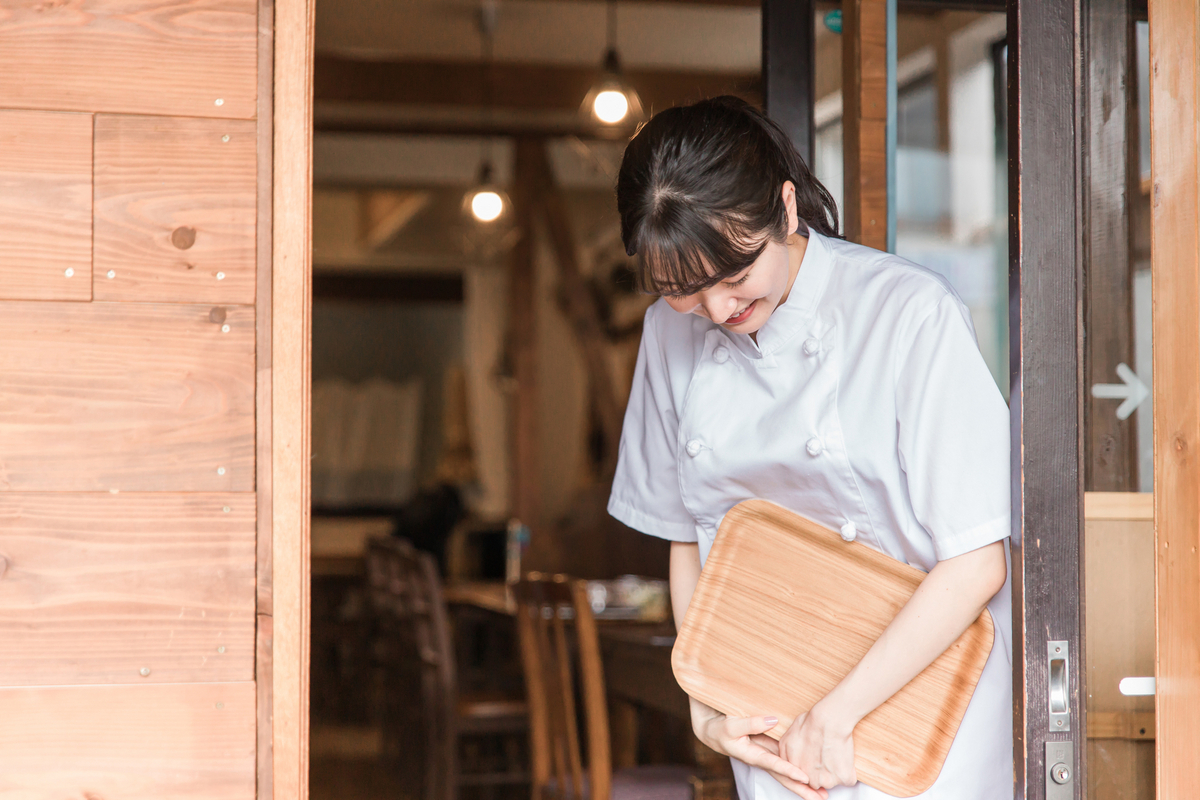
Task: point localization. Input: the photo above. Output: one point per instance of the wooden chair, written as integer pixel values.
(417, 649)
(544, 606)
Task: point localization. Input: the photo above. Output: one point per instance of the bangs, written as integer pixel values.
(685, 255)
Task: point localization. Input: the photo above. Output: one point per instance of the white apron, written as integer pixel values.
(865, 406)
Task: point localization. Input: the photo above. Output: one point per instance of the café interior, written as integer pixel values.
(474, 333)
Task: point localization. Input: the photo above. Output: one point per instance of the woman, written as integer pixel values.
(838, 381)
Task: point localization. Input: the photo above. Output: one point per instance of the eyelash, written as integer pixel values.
(738, 282)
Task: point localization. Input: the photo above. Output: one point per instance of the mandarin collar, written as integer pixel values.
(798, 311)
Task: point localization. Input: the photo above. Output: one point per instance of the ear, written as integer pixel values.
(789, 202)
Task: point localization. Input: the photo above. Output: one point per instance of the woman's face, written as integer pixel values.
(744, 302)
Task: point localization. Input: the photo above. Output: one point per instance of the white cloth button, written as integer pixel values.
(694, 447)
(849, 532)
(721, 355)
(811, 347)
(815, 446)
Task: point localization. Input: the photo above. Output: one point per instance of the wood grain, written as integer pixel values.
(45, 205)
(291, 389)
(126, 396)
(1175, 265)
(1110, 447)
(129, 56)
(130, 742)
(771, 582)
(101, 586)
(864, 78)
(175, 210)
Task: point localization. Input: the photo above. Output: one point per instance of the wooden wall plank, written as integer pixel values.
(291, 391)
(1175, 264)
(130, 742)
(126, 396)
(101, 586)
(45, 205)
(175, 210)
(192, 58)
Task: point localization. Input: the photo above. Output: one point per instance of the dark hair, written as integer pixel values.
(699, 194)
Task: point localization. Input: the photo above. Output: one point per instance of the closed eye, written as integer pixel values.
(739, 281)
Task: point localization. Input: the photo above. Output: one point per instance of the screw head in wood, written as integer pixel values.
(225, 328)
(112, 273)
(144, 672)
(220, 276)
(225, 138)
(183, 237)
(220, 470)
(221, 649)
(226, 509)
(70, 272)
(218, 102)
(220, 706)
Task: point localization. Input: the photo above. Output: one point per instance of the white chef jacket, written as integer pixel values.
(865, 406)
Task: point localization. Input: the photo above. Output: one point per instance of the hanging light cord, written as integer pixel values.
(487, 32)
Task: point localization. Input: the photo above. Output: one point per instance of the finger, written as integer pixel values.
(758, 757)
(766, 743)
(802, 789)
(749, 726)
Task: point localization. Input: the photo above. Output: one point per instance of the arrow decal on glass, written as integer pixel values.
(1132, 391)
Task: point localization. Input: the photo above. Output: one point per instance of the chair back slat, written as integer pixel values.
(566, 687)
(544, 604)
(405, 592)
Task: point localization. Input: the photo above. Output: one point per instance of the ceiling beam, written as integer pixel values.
(531, 87)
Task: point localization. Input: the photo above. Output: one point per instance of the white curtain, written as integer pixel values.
(364, 442)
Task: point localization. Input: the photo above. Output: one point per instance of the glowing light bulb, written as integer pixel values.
(486, 205)
(611, 106)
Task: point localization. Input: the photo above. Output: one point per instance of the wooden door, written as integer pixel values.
(148, 470)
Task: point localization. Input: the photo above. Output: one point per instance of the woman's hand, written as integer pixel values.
(822, 746)
(742, 738)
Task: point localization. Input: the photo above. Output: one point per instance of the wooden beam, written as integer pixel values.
(522, 340)
(388, 287)
(1175, 265)
(864, 118)
(1044, 40)
(581, 310)
(291, 392)
(789, 65)
(535, 87)
(1111, 447)
(385, 212)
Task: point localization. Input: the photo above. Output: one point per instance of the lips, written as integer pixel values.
(742, 317)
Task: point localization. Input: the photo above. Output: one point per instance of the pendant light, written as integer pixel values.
(612, 101)
(486, 201)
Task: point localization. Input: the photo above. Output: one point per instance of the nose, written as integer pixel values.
(718, 305)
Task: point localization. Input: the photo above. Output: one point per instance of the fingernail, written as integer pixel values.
(772, 721)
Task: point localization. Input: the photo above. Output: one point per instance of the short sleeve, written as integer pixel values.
(645, 492)
(953, 433)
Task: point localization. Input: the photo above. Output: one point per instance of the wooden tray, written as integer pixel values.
(784, 610)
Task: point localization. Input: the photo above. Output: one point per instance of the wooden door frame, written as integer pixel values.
(1175, 271)
(285, 523)
(1045, 331)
